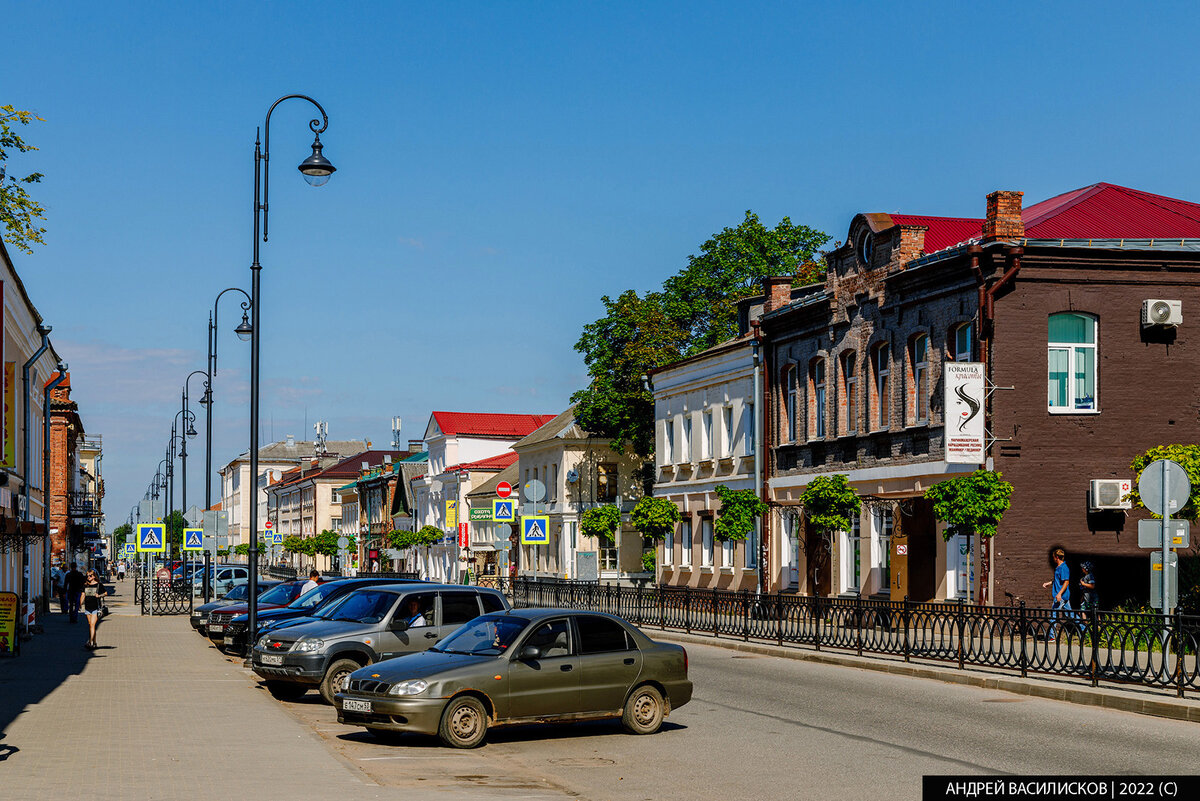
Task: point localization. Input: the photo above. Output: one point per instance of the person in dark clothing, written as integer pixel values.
(92, 596)
(74, 582)
(1090, 597)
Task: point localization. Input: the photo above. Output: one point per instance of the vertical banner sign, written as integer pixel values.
(962, 405)
(10, 414)
(451, 515)
(8, 622)
(462, 535)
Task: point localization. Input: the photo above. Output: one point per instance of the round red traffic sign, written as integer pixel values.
(268, 524)
(504, 489)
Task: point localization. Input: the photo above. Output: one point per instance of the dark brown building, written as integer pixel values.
(1050, 300)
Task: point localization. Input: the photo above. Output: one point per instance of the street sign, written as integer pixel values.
(478, 514)
(1156, 582)
(193, 539)
(963, 393)
(1150, 534)
(343, 543)
(275, 537)
(151, 538)
(534, 490)
(194, 516)
(130, 549)
(216, 524)
(504, 489)
(1150, 486)
(535, 530)
(151, 511)
(268, 525)
(463, 536)
(504, 511)
(451, 514)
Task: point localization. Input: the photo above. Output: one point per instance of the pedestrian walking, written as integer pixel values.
(121, 570)
(90, 598)
(1060, 589)
(1089, 596)
(314, 578)
(58, 583)
(73, 582)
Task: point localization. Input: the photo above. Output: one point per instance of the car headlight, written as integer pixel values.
(410, 687)
(302, 646)
(262, 642)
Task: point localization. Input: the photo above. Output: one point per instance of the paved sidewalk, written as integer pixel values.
(153, 715)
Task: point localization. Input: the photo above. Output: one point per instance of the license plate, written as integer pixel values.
(350, 705)
(215, 627)
(272, 659)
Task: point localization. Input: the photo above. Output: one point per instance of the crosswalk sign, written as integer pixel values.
(130, 549)
(535, 530)
(193, 539)
(504, 510)
(152, 538)
(275, 537)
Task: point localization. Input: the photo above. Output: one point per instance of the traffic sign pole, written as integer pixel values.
(1166, 541)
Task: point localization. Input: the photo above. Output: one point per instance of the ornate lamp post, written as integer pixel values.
(244, 332)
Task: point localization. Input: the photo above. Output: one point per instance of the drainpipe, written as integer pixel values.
(760, 428)
(26, 554)
(62, 376)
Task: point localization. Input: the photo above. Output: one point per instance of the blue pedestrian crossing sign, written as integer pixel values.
(151, 538)
(130, 549)
(193, 539)
(275, 538)
(535, 530)
(504, 511)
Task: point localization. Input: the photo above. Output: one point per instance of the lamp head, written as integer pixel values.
(191, 431)
(316, 168)
(244, 330)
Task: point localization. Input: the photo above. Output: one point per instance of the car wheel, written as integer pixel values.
(286, 690)
(644, 711)
(332, 683)
(464, 723)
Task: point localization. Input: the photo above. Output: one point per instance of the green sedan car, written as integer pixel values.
(520, 666)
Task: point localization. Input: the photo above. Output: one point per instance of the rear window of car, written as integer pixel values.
(491, 603)
(599, 634)
(458, 608)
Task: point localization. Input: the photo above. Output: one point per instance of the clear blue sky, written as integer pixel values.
(503, 165)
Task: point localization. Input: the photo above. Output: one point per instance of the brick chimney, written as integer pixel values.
(778, 291)
(912, 243)
(1003, 216)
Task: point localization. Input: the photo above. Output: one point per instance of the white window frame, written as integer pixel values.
(685, 442)
(882, 526)
(920, 380)
(959, 568)
(727, 424)
(706, 542)
(817, 377)
(751, 556)
(685, 543)
(669, 547)
(707, 443)
(789, 377)
(728, 554)
(961, 355)
(848, 540)
(669, 441)
(1074, 351)
(748, 427)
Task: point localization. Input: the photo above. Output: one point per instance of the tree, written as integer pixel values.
(293, 544)
(175, 524)
(1187, 457)
(325, 543)
(828, 502)
(735, 518)
(121, 534)
(969, 505)
(654, 517)
(242, 549)
(601, 522)
(430, 535)
(19, 211)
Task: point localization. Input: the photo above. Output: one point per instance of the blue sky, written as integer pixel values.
(503, 165)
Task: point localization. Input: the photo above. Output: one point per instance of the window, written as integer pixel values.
(850, 391)
(553, 489)
(668, 547)
(882, 390)
(599, 635)
(418, 610)
(920, 373)
(606, 482)
(685, 543)
(458, 608)
(669, 442)
(960, 342)
(881, 546)
(334, 497)
(789, 386)
(608, 557)
(866, 249)
(816, 416)
(552, 639)
(706, 542)
(1071, 372)
(959, 567)
(752, 546)
(685, 444)
(727, 553)
(727, 422)
(491, 603)
(748, 429)
(707, 445)
(851, 547)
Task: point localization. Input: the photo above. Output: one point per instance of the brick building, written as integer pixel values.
(66, 431)
(1046, 296)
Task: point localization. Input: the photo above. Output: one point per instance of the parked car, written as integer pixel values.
(281, 595)
(221, 579)
(367, 626)
(522, 666)
(236, 595)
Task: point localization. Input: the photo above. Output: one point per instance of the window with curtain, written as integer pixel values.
(882, 361)
(816, 378)
(706, 444)
(1071, 363)
(920, 375)
(706, 542)
(789, 383)
(669, 442)
(685, 442)
(850, 388)
(685, 543)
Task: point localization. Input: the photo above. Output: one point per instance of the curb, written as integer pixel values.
(1116, 699)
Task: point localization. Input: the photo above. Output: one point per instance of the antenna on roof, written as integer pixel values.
(322, 429)
(396, 433)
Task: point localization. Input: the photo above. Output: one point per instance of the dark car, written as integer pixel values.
(522, 666)
(236, 639)
(281, 595)
(365, 626)
(237, 595)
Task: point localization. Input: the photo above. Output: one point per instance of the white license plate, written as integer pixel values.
(215, 627)
(350, 705)
(272, 659)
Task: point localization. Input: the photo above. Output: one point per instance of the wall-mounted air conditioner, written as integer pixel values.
(1162, 312)
(1110, 493)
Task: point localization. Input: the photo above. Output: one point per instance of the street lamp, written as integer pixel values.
(316, 169)
(244, 330)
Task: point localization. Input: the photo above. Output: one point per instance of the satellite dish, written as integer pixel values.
(572, 476)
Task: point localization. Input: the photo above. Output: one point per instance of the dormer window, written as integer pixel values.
(866, 248)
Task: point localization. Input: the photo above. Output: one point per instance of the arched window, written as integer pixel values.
(790, 398)
(849, 404)
(918, 355)
(816, 395)
(1071, 363)
(881, 386)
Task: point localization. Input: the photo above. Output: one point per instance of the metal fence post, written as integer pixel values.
(815, 600)
(638, 601)
(716, 626)
(687, 609)
(858, 621)
(961, 622)
(1095, 615)
(745, 615)
(1024, 634)
(779, 617)
(662, 613)
(907, 640)
(1179, 652)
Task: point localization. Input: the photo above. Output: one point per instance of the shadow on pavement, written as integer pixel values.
(532, 732)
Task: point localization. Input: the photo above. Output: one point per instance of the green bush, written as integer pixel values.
(735, 518)
(654, 517)
(601, 522)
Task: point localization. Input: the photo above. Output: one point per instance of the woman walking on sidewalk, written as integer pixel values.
(93, 591)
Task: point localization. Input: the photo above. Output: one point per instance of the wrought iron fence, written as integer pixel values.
(281, 573)
(162, 597)
(1149, 649)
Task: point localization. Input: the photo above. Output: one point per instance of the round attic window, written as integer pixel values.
(866, 248)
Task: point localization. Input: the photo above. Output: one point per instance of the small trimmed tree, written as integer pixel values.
(654, 517)
(601, 522)
(242, 549)
(828, 502)
(293, 544)
(971, 505)
(735, 518)
(430, 535)
(1187, 457)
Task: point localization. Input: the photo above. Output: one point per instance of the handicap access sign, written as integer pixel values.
(504, 511)
(193, 539)
(535, 530)
(151, 538)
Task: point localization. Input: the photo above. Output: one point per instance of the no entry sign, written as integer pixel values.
(504, 489)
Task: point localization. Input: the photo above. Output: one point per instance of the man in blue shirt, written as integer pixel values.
(1061, 588)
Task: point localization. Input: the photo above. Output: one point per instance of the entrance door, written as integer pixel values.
(790, 558)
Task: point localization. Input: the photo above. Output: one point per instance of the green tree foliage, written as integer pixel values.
(121, 534)
(971, 504)
(175, 523)
(428, 535)
(18, 211)
(654, 517)
(293, 544)
(730, 267)
(735, 518)
(649, 562)
(242, 549)
(829, 502)
(1187, 457)
(325, 543)
(601, 522)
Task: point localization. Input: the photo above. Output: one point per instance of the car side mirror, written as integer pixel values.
(399, 624)
(530, 652)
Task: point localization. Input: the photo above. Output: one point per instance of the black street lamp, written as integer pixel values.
(316, 169)
(244, 331)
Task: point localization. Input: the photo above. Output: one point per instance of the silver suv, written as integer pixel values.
(364, 627)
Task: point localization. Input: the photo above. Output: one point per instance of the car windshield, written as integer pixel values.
(281, 595)
(363, 606)
(489, 635)
(314, 597)
(238, 593)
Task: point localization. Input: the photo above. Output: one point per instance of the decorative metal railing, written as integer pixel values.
(163, 597)
(1148, 649)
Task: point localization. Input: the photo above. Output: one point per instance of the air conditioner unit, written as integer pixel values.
(1162, 312)
(1110, 493)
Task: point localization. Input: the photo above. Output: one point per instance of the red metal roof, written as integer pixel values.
(511, 426)
(1108, 211)
(492, 463)
(943, 232)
